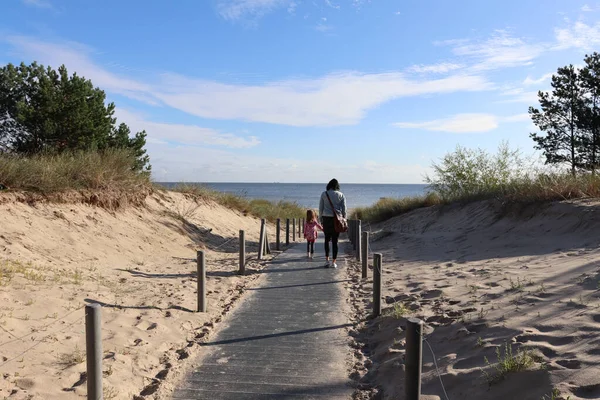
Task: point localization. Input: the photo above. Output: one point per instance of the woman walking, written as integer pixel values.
(332, 200)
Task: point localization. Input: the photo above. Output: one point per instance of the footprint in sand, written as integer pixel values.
(569, 364)
(587, 392)
(552, 340)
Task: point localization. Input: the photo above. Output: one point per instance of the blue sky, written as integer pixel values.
(305, 90)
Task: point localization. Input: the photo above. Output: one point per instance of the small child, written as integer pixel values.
(310, 232)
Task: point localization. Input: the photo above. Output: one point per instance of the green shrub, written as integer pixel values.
(467, 175)
(475, 173)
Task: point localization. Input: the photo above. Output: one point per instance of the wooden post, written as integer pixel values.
(93, 351)
(201, 280)
(365, 254)
(242, 269)
(278, 235)
(358, 239)
(414, 358)
(350, 230)
(377, 272)
(261, 240)
(353, 233)
(287, 232)
(267, 245)
(293, 229)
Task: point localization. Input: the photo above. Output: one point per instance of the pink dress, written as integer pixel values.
(310, 230)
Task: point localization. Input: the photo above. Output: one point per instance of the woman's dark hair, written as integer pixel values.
(333, 184)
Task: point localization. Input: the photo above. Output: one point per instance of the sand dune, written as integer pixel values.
(487, 279)
(139, 263)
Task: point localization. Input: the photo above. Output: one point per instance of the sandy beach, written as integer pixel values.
(486, 280)
(139, 263)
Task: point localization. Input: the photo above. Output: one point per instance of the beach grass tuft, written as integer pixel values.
(466, 176)
(256, 207)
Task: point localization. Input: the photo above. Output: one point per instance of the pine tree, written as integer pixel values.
(48, 110)
(560, 118)
(590, 114)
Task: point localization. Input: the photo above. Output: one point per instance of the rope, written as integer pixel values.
(436, 368)
(42, 340)
(11, 334)
(224, 243)
(43, 327)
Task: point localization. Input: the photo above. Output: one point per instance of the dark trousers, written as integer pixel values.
(310, 247)
(330, 236)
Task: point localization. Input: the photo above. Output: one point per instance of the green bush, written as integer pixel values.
(467, 175)
(474, 173)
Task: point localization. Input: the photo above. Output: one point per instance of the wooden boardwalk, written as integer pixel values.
(287, 340)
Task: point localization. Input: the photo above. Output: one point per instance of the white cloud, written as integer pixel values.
(183, 134)
(76, 58)
(501, 50)
(517, 118)
(520, 95)
(579, 35)
(234, 10)
(329, 3)
(464, 123)
(440, 68)
(332, 100)
(322, 27)
(292, 7)
(38, 3)
(336, 99)
(193, 164)
(587, 8)
(460, 123)
(529, 81)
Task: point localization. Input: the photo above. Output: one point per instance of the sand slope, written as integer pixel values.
(139, 263)
(483, 280)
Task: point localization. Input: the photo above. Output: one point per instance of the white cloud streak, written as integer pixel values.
(579, 35)
(235, 10)
(439, 68)
(193, 164)
(331, 4)
(183, 134)
(460, 123)
(38, 3)
(529, 81)
(336, 99)
(463, 123)
(520, 95)
(587, 8)
(501, 50)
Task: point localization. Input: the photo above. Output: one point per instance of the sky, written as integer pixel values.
(308, 90)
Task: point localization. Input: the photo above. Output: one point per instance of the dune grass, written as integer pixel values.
(465, 176)
(109, 170)
(387, 208)
(256, 207)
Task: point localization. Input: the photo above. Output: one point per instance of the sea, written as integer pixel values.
(307, 194)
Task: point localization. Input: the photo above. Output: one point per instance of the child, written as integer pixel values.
(310, 232)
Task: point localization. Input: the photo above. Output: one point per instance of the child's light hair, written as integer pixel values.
(310, 216)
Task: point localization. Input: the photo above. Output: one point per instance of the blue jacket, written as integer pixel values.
(339, 202)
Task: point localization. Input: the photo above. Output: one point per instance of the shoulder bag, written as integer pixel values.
(340, 224)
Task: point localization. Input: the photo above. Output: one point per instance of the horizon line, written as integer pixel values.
(289, 183)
